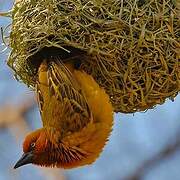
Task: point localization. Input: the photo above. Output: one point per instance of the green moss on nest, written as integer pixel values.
(132, 47)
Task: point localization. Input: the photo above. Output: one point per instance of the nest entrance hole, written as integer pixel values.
(68, 54)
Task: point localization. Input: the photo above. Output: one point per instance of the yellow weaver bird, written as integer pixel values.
(77, 118)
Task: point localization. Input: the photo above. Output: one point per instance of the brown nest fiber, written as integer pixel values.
(130, 47)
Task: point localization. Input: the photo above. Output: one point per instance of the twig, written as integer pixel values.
(168, 151)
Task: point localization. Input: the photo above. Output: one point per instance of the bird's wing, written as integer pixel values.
(62, 85)
(40, 99)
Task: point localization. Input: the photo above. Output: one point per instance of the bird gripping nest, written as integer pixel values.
(131, 48)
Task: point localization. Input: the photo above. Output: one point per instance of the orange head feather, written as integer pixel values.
(41, 147)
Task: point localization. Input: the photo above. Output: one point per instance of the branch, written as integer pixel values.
(158, 158)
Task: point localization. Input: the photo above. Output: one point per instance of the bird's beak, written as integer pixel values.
(26, 158)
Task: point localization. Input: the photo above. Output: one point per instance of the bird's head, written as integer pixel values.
(41, 148)
(34, 148)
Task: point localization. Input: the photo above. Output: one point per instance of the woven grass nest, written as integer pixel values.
(130, 47)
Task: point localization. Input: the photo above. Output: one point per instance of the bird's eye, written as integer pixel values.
(33, 145)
